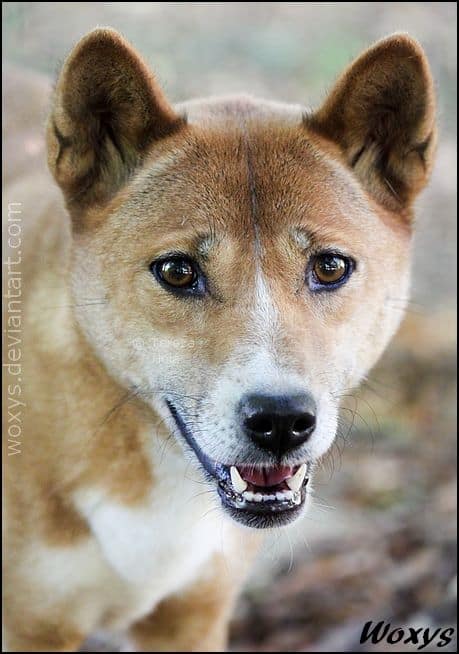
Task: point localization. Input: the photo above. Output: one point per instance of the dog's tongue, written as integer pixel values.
(265, 476)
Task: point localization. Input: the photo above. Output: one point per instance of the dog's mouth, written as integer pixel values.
(264, 497)
(259, 497)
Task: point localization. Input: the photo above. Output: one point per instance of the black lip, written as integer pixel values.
(256, 515)
(264, 520)
(204, 460)
(214, 470)
(263, 515)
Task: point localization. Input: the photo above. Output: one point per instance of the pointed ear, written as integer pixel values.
(381, 113)
(107, 112)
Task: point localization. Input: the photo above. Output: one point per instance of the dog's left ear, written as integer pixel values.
(381, 113)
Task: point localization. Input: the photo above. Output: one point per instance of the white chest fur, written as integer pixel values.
(162, 545)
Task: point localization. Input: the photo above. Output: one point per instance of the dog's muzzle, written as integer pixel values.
(262, 496)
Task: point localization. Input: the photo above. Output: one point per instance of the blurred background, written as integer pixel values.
(379, 542)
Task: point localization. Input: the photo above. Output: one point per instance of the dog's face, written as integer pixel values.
(246, 266)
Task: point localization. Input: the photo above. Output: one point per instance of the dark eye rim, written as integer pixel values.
(317, 285)
(198, 286)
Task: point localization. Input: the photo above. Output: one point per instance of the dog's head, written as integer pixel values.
(245, 262)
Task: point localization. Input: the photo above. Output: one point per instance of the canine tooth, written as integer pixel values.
(239, 484)
(295, 482)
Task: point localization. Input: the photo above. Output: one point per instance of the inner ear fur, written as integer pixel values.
(381, 113)
(107, 111)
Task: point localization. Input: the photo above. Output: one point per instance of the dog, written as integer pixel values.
(219, 276)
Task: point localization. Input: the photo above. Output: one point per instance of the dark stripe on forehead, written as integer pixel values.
(251, 180)
(251, 187)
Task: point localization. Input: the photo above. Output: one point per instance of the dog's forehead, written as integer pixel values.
(241, 165)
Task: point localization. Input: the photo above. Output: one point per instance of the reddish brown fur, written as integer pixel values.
(140, 180)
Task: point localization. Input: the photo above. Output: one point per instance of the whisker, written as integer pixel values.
(72, 306)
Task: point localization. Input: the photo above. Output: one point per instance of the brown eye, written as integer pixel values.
(330, 269)
(177, 272)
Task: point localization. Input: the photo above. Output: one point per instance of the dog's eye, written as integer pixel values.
(177, 272)
(180, 274)
(329, 270)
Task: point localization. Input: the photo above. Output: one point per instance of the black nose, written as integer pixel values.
(278, 423)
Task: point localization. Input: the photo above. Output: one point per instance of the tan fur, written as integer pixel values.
(194, 621)
(249, 188)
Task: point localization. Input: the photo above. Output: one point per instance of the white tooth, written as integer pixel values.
(239, 484)
(288, 495)
(279, 496)
(258, 497)
(295, 482)
(248, 495)
(297, 498)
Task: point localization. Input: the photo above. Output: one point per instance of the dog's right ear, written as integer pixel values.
(108, 110)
